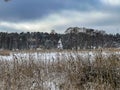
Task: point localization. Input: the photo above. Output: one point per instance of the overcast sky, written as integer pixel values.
(45, 15)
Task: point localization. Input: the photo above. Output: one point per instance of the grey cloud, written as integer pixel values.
(34, 9)
(28, 10)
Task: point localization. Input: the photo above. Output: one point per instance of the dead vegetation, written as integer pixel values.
(4, 52)
(65, 73)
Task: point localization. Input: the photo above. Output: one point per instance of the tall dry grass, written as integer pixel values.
(70, 72)
(4, 52)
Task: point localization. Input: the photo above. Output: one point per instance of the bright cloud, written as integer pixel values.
(111, 2)
(61, 19)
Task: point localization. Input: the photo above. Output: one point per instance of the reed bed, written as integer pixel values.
(71, 72)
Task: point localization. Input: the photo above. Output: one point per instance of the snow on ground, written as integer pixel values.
(50, 56)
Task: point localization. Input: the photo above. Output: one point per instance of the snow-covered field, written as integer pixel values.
(50, 56)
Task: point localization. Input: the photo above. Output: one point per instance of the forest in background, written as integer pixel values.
(40, 40)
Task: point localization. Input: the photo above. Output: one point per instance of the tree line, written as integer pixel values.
(40, 40)
(86, 41)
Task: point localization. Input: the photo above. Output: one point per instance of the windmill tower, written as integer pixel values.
(60, 46)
